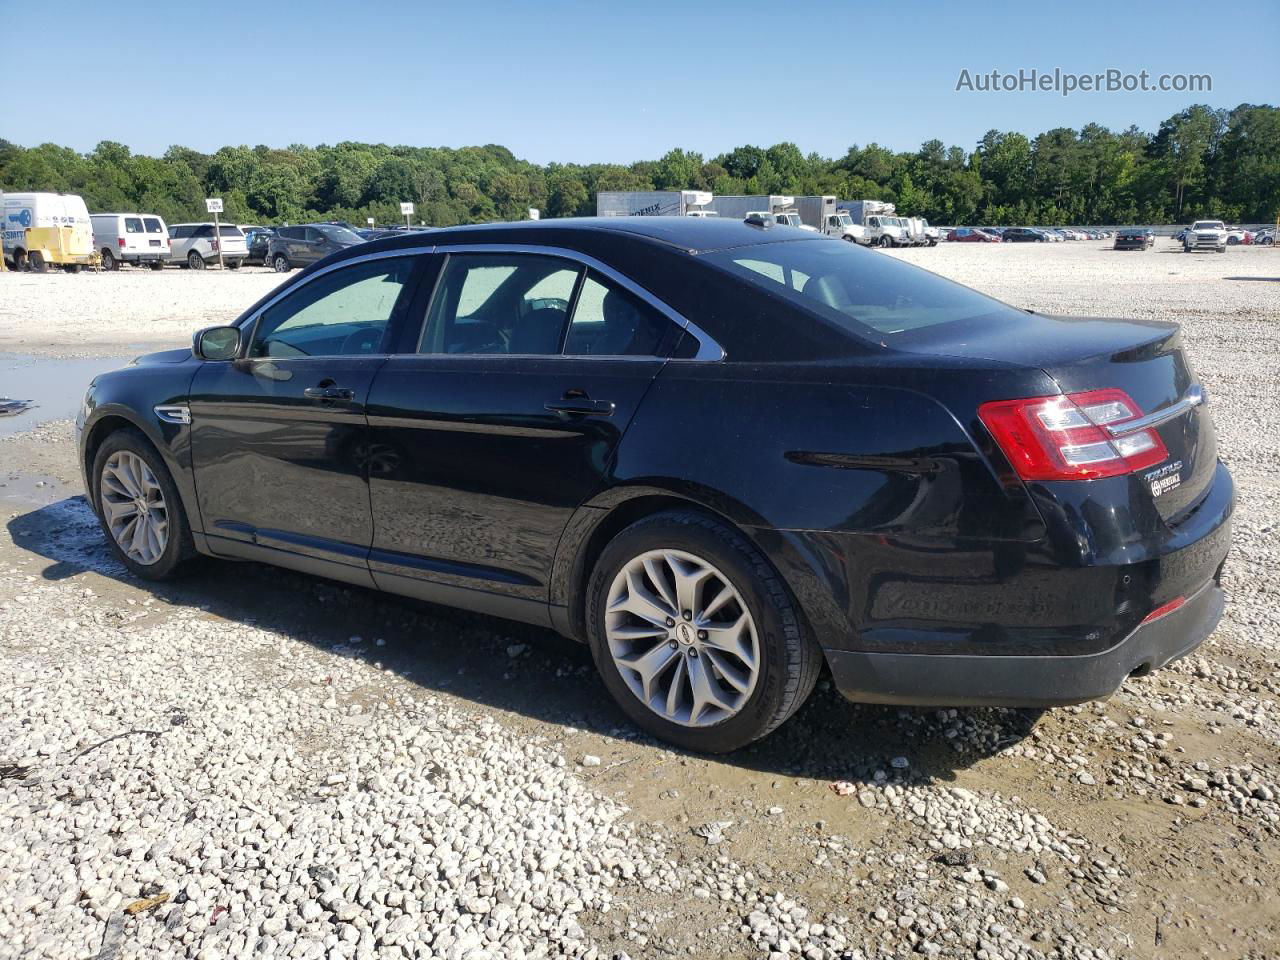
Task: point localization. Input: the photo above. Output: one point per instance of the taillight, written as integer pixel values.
(1067, 437)
(120, 240)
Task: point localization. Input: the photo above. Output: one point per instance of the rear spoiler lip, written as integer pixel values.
(1194, 397)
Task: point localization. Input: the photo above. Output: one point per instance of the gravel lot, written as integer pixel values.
(307, 770)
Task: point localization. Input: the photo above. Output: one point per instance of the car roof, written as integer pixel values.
(690, 234)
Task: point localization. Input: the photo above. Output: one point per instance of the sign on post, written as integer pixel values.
(369, 221)
(535, 213)
(407, 210)
(214, 206)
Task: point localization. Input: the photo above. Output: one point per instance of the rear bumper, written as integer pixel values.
(1026, 681)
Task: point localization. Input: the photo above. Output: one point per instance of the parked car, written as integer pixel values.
(1237, 236)
(1266, 237)
(1135, 238)
(256, 240)
(432, 416)
(1205, 235)
(133, 238)
(194, 245)
(1022, 235)
(972, 235)
(302, 245)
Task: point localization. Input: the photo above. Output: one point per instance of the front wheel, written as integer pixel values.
(885, 242)
(280, 263)
(139, 507)
(195, 261)
(695, 635)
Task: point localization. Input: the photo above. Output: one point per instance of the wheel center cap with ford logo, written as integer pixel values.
(684, 633)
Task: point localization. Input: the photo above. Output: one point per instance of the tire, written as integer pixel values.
(178, 547)
(156, 264)
(1267, 241)
(788, 659)
(884, 242)
(36, 261)
(109, 261)
(19, 261)
(1222, 249)
(233, 264)
(280, 263)
(72, 268)
(195, 261)
(1232, 241)
(849, 238)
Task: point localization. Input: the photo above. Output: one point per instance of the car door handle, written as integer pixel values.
(580, 407)
(329, 393)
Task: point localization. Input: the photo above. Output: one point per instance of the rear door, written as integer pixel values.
(135, 236)
(503, 420)
(279, 437)
(157, 239)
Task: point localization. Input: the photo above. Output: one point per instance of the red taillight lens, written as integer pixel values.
(1164, 609)
(120, 241)
(1065, 437)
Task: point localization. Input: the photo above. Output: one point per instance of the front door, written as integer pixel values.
(506, 420)
(279, 436)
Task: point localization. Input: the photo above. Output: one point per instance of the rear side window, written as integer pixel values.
(500, 304)
(609, 321)
(866, 293)
(204, 231)
(153, 224)
(133, 225)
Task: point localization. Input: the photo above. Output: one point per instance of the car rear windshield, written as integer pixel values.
(229, 232)
(867, 293)
(153, 225)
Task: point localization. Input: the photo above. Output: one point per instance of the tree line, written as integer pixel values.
(1201, 162)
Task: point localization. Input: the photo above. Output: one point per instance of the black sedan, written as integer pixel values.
(724, 455)
(1135, 238)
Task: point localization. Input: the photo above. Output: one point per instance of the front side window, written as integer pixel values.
(609, 321)
(342, 313)
(500, 304)
(338, 234)
(133, 225)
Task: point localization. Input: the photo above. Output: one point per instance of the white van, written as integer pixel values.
(135, 238)
(32, 210)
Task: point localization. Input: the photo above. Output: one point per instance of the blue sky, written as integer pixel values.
(607, 81)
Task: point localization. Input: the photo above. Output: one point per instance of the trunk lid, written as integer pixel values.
(1145, 359)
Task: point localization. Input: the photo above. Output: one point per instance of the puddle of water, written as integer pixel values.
(34, 490)
(53, 387)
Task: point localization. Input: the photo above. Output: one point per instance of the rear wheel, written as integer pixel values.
(36, 259)
(156, 264)
(233, 264)
(109, 261)
(139, 507)
(695, 635)
(280, 263)
(195, 261)
(71, 268)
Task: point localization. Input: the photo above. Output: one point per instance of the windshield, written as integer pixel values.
(792, 218)
(865, 293)
(845, 220)
(340, 234)
(1208, 225)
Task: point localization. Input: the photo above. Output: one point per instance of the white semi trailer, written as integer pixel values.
(654, 203)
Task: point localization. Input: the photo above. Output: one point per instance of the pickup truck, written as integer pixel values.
(1205, 235)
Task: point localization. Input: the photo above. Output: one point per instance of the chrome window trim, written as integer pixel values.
(708, 349)
(1192, 398)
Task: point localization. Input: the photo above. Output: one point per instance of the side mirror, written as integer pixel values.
(216, 343)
